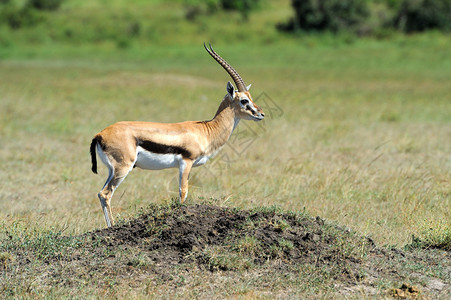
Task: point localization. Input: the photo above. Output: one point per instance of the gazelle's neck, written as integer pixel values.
(220, 128)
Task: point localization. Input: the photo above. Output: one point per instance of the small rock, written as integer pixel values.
(436, 284)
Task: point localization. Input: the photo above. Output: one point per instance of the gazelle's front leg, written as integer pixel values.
(184, 170)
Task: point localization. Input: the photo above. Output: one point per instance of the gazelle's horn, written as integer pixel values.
(234, 74)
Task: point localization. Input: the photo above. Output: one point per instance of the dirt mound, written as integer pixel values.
(202, 233)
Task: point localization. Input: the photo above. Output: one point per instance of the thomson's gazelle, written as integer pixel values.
(155, 146)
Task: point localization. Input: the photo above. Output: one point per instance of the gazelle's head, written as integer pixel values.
(245, 108)
(242, 103)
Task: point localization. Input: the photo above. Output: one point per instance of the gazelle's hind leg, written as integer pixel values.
(103, 200)
(117, 173)
(103, 203)
(114, 180)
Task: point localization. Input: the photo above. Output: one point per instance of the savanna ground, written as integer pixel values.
(358, 132)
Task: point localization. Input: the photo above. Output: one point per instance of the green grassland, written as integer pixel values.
(358, 131)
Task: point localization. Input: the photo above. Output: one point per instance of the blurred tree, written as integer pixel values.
(327, 15)
(420, 15)
(16, 16)
(243, 6)
(369, 16)
(198, 7)
(45, 4)
(19, 14)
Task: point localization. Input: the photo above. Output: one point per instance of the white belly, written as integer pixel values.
(154, 161)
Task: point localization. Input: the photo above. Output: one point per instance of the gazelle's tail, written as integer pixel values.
(93, 154)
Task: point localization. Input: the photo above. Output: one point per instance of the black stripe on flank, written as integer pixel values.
(163, 149)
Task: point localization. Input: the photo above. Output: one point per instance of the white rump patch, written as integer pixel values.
(107, 163)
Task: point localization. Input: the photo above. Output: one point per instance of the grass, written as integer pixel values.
(203, 251)
(433, 234)
(351, 134)
(367, 149)
(357, 129)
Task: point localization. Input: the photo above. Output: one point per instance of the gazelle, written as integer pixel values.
(155, 146)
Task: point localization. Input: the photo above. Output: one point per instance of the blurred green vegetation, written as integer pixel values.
(369, 17)
(421, 15)
(81, 26)
(68, 28)
(333, 15)
(197, 7)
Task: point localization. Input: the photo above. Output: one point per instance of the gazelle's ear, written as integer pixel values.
(248, 87)
(230, 89)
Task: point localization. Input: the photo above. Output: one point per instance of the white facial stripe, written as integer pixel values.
(248, 103)
(250, 109)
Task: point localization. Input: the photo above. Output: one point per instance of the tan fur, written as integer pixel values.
(118, 143)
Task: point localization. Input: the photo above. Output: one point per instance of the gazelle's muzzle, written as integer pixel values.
(259, 115)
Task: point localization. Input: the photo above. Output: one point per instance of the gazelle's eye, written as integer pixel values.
(244, 101)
